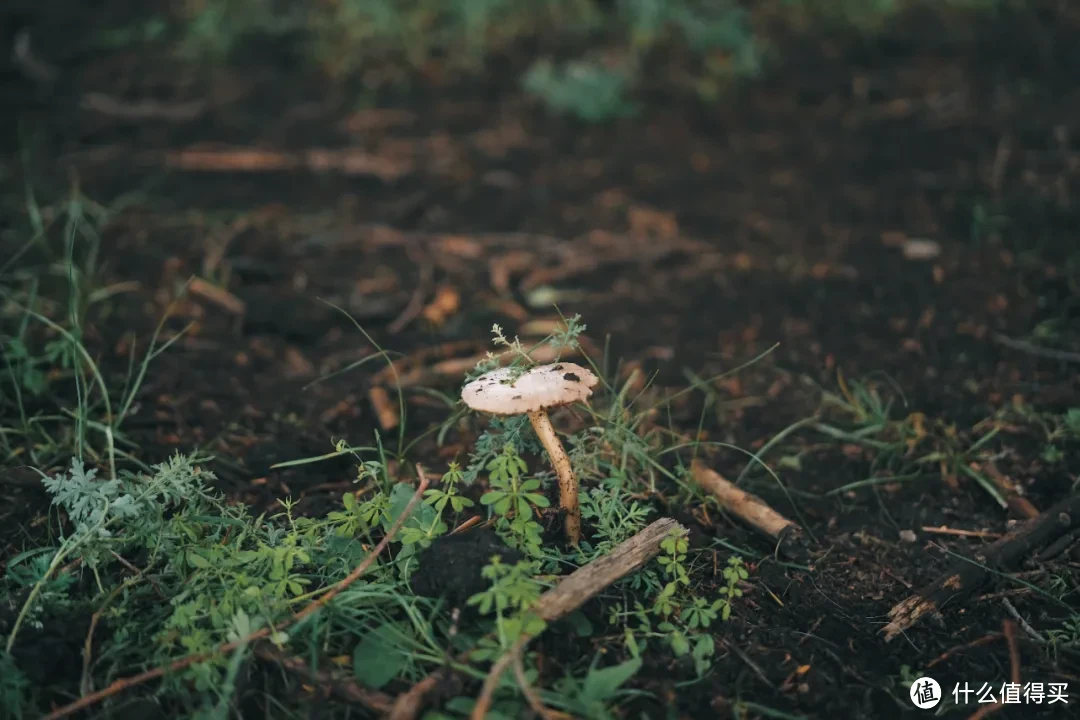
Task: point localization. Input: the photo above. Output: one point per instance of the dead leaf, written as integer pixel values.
(447, 302)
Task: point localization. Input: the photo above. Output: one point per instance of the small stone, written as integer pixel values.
(918, 249)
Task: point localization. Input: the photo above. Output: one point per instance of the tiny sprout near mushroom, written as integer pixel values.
(534, 392)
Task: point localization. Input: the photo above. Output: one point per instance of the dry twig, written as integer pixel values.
(347, 161)
(959, 533)
(753, 511)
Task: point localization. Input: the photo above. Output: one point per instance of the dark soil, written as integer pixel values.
(692, 237)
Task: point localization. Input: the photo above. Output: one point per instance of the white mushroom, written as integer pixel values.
(534, 392)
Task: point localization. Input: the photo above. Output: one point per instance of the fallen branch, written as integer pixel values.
(752, 510)
(583, 584)
(965, 576)
(569, 595)
(343, 687)
(124, 683)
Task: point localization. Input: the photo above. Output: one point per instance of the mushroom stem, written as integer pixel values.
(568, 484)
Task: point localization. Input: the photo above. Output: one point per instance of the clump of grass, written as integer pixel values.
(48, 288)
(902, 448)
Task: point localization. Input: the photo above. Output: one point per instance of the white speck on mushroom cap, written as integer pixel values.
(539, 388)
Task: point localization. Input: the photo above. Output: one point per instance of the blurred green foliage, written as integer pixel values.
(396, 42)
(586, 89)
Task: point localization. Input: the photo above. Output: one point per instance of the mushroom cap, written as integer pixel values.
(539, 388)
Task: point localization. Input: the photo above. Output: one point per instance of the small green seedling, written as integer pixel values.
(734, 573)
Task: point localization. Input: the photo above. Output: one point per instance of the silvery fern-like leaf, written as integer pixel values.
(83, 498)
(125, 507)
